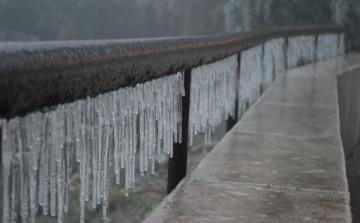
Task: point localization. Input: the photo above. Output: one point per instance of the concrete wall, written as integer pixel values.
(349, 105)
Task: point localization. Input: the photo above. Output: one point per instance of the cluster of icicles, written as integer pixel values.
(260, 66)
(329, 46)
(304, 49)
(37, 150)
(301, 49)
(213, 95)
(273, 61)
(107, 132)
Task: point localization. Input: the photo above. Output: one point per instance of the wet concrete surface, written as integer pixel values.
(283, 162)
(277, 160)
(349, 104)
(204, 201)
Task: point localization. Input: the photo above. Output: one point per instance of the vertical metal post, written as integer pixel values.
(316, 48)
(0, 147)
(286, 54)
(262, 87)
(338, 45)
(178, 164)
(231, 122)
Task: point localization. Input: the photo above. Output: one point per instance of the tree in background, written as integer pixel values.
(352, 23)
(245, 15)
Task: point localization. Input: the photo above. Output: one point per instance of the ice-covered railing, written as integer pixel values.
(273, 60)
(101, 132)
(106, 104)
(300, 50)
(329, 46)
(311, 48)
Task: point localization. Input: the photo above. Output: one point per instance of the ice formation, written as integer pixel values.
(327, 46)
(212, 97)
(341, 50)
(300, 50)
(100, 133)
(273, 61)
(251, 78)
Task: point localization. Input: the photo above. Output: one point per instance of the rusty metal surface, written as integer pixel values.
(39, 75)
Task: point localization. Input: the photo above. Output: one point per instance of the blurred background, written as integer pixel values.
(43, 20)
(116, 19)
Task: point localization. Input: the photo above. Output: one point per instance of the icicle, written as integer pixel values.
(6, 162)
(60, 161)
(69, 145)
(53, 162)
(77, 128)
(106, 141)
(142, 130)
(44, 165)
(115, 134)
(159, 117)
(14, 176)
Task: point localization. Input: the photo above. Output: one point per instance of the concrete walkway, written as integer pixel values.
(283, 162)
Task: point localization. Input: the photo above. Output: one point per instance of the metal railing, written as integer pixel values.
(37, 75)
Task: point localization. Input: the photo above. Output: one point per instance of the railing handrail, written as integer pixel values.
(38, 75)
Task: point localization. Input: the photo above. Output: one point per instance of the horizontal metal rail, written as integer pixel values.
(39, 75)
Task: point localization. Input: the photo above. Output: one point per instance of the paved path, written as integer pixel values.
(283, 162)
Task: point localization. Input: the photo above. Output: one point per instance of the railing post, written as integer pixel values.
(286, 53)
(0, 147)
(231, 122)
(178, 164)
(316, 48)
(338, 44)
